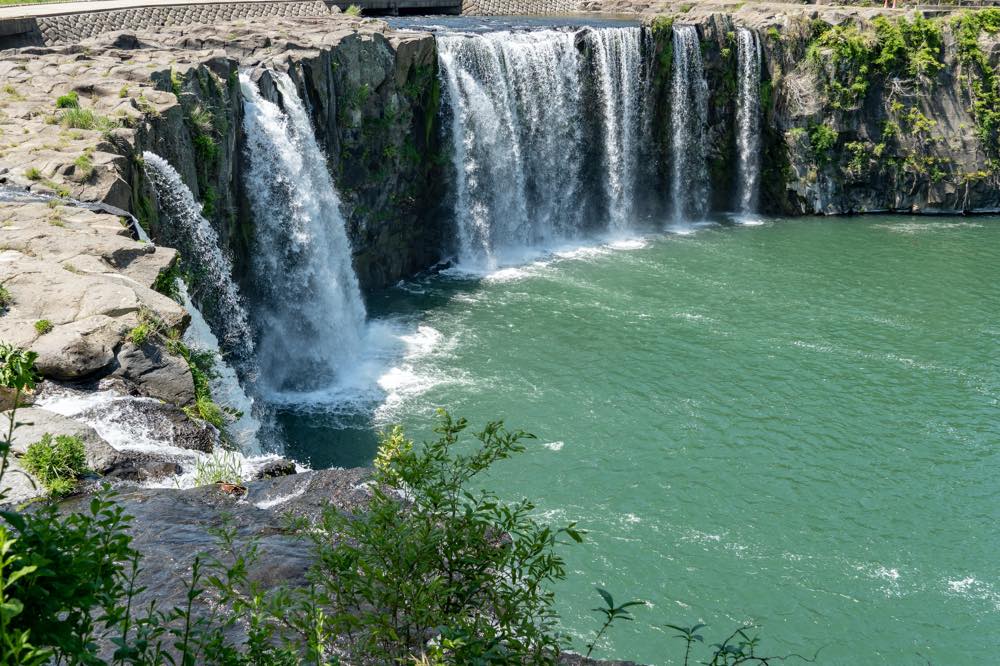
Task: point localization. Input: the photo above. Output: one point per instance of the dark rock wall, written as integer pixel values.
(899, 142)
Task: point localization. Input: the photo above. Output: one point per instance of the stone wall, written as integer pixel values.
(519, 7)
(72, 28)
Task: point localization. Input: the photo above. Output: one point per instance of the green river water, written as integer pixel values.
(795, 424)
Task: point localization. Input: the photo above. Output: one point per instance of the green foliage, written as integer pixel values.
(139, 334)
(15, 646)
(611, 614)
(202, 366)
(43, 326)
(911, 48)
(220, 468)
(167, 281)
(984, 80)
(662, 27)
(848, 53)
(449, 561)
(86, 119)
(202, 119)
(123, 92)
(76, 579)
(823, 140)
(206, 149)
(852, 56)
(353, 10)
(70, 100)
(32, 173)
(56, 462)
(84, 167)
(17, 368)
(176, 82)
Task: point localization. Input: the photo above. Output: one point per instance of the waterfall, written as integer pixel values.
(748, 119)
(689, 114)
(520, 119)
(311, 314)
(210, 267)
(225, 385)
(618, 59)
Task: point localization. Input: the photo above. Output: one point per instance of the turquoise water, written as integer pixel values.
(795, 424)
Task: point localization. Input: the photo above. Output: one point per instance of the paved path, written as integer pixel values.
(63, 8)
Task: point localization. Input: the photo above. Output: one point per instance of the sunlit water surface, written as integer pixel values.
(794, 423)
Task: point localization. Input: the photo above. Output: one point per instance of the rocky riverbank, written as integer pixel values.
(75, 122)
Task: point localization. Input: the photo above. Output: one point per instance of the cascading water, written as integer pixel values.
(199, 244)
(689, 112)
(311, 316)
(619, 64)
(225, 384)
(748, 119)
(520, 124)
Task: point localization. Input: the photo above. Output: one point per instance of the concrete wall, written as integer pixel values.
(519, 7)
(71, 28)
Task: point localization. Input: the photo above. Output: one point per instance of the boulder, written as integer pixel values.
(156, 373)
(79, 349)
(34, 422)
(275, 468)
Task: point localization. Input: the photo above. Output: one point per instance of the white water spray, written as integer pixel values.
(225, 385)
(748, 119)
(522, 135)
(311, 314)
(689, 114)
(199, 244)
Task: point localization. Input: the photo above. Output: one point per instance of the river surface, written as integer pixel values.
(794, 423)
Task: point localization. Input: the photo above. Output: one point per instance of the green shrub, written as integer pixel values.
(353, 10)
(70, 100)
(6, 300)
(32, 173)
(56, 462)
(983, 78)
(432, 565)
(823, 139)
(166, 281)
(139, 334)
(43, 326)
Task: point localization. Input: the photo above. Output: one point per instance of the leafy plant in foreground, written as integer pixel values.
(432, 567)
(611, 615)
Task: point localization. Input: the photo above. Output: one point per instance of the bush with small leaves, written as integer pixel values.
(139, 334)
(43, 326)
(70, 100)
(57, 462)
(353, 10)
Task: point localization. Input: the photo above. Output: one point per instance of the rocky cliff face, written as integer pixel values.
(82, 289)
(865, 111)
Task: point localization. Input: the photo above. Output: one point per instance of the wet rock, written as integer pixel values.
(142, 467)
(35, 422)
(156, 373)
(171, 526)
(154, 421)
(274, 469)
